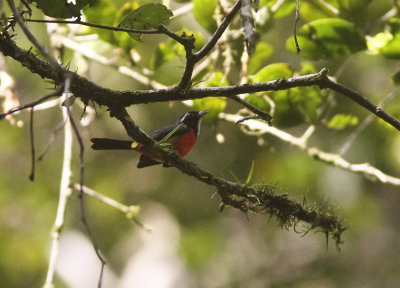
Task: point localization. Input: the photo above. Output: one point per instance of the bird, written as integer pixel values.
(182, 140)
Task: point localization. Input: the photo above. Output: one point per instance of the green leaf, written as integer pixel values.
(166, 51)
(203, 11)
(378, 41)
(145, 17)
(307, 68)
(394, 25)
(396, 79)
(391, 49)
(250, 176)
(235, 177)
(258, 101)
(62, 8)
(306, 101)
(353, 5)
(217, 79)
(273, 72)
(311, 11)
(292, 107)
(259, 57)
(342, 121)
(287, 113)
(214, 105)
(281, 8)
(123, 40)
(329, 38)
(283, 115)
(103, 12)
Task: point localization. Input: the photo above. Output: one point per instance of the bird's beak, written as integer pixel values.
(202, 113)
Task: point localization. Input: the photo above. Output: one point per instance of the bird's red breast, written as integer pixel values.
(181, 144)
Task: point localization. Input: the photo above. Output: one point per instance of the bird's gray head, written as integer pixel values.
(193, 119)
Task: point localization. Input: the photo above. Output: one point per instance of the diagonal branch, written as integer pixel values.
(30, 36)
(131, 211)
(56, 93)
(256, 198)
(218, 33)
(328, 82)
(258, 128)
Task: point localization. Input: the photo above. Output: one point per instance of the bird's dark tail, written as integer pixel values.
(111, 144)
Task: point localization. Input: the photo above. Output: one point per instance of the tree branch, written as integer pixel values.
(30, 36)
(256, 198)
(328, 82)
(254, 127)
(89, 91)
(250, 35)
(218, 33)
(131, 211)
(65, 193)
(160, 30)
(32, 104)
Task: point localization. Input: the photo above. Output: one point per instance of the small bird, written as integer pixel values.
(182, 140)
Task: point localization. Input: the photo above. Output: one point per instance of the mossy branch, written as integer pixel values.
(254, 198)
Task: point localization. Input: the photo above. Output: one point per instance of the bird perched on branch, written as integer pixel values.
(182, 137)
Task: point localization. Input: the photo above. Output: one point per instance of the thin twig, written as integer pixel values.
(65, 192)
(59, 127)
(296, 20)
(30, 36)
(130, 211)
(218, 33)
(160, 30)
(258, 128)
(125, 70)
(93, 25)
(32, 138)
(368, 120)
(361, 100)
(247, 118)
(81, 195)
(32, 104)
(261, 114)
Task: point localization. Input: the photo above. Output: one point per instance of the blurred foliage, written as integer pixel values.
(203, 12)
(292, 107)
(330, 38)
(62, 8)
(341, 121)
(357, 40)
(213, 105)
(146, 17)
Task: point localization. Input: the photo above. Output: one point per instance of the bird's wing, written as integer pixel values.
(159, 134)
